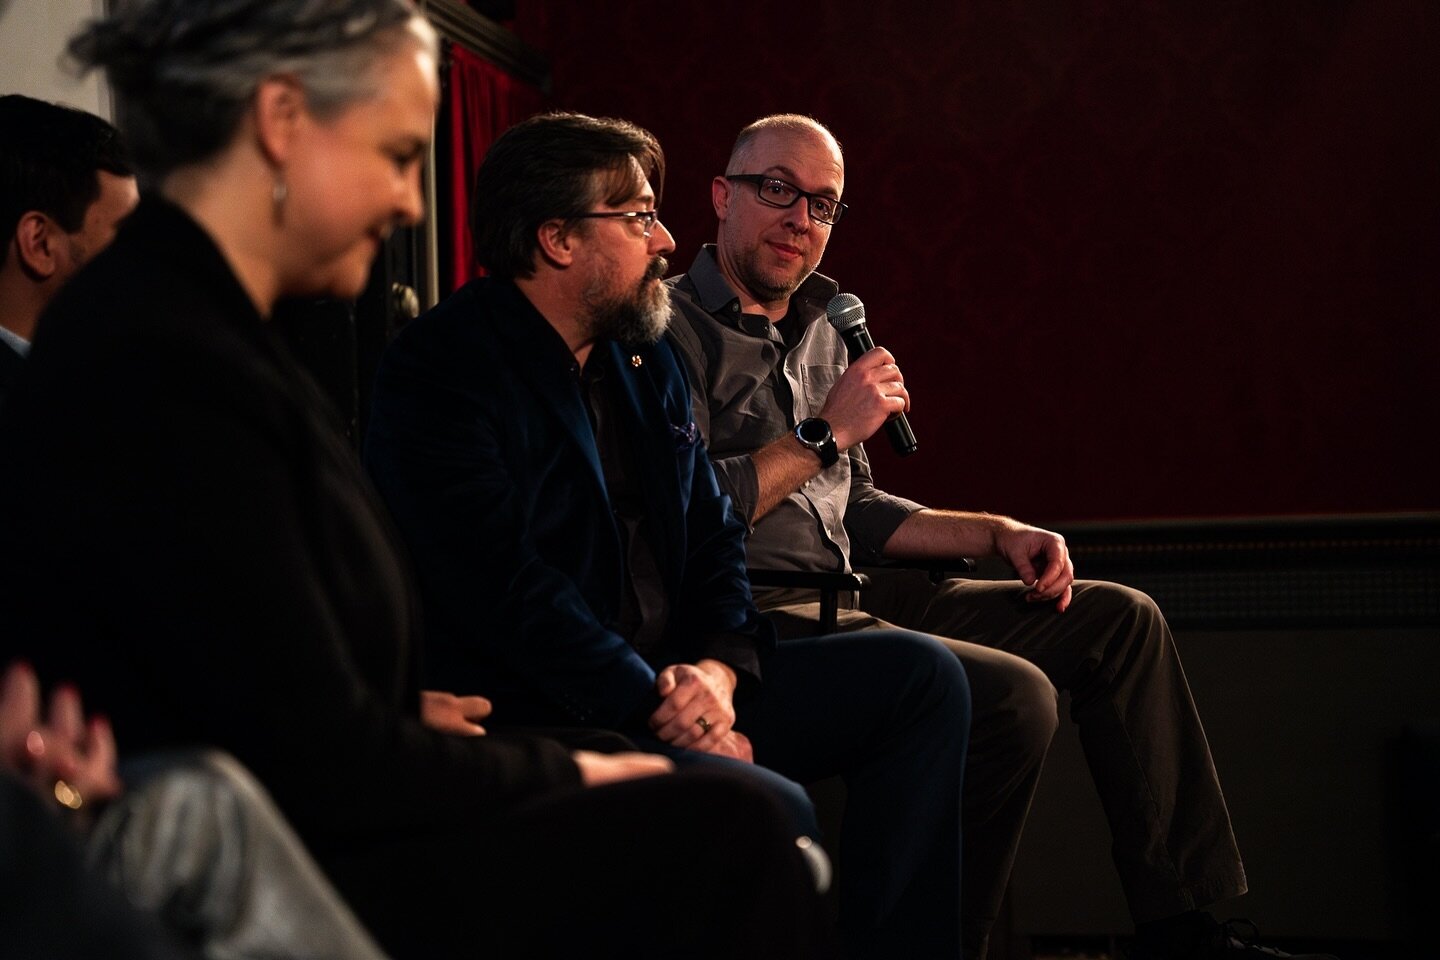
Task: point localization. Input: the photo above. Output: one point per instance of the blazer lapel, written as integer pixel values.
(530, 348)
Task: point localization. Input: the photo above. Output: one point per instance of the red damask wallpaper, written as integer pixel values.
(1136, 260)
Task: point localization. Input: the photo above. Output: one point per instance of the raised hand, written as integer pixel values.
(869, 392)
(65, 757)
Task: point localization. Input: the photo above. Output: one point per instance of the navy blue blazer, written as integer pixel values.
(481, 445)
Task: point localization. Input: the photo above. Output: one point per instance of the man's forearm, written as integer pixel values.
(782, 466)
(938, 534)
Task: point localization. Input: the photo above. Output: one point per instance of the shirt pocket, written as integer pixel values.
(816, 379)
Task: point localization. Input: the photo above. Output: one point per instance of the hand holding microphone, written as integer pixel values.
(847, 315)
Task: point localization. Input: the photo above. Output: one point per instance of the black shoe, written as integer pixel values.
(1207, 939)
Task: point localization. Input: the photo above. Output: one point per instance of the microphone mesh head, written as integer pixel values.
(845, 311)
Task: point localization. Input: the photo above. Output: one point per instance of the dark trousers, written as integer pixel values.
(799, 809)
(887, 712)
(694, 864)
(1142, 737)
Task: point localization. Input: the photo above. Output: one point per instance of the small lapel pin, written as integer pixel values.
(635, 360)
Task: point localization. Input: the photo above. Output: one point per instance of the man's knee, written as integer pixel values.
(931, 670)
(197, 783)
(1134, 619)
(185, 815)
(1035, 708)
(1115, 598)
(1016, 704)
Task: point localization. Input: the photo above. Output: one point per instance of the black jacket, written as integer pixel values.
(10, 365)
(186, 536)
(480, 442)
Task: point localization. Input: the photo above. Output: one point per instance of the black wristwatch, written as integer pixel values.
(814, 434)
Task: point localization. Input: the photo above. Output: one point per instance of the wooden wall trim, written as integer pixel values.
(459, 23)
(1273, 572)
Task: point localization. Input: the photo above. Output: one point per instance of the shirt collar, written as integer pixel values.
(16, 342)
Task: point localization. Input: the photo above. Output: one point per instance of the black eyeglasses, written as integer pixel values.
(779, 193)
(646, 218)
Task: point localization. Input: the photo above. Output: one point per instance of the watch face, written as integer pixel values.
(815, 434)
(813, 430)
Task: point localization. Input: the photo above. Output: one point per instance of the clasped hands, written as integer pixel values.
(691, 693)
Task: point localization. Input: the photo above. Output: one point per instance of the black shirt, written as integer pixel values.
(644, 608)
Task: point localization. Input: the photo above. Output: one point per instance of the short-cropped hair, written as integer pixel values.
(184, 71)
(553, 166)
(49, 158)
(793, 123)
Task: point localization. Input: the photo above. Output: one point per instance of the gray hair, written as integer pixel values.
(184, 71)
(776, 122)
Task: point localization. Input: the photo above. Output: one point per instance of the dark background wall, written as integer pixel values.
(1180, 260)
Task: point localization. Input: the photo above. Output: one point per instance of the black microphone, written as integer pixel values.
(847, 315)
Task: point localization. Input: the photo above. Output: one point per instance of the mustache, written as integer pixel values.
(657, 269)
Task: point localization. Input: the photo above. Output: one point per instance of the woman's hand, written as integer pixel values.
(451, 714)
(598, 769)
(65, 758)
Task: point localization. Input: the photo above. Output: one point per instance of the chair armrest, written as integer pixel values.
(826, 583)
(808, 579)
(939, 569)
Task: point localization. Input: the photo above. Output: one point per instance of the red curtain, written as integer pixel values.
(484, 101)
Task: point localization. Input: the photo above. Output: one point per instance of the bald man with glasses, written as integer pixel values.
(785, 414)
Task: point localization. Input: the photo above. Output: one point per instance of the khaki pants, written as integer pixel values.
(1112, 651)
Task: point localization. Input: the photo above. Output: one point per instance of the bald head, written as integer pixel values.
(783, 125)
(768, 242)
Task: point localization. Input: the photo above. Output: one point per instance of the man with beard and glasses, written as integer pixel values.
(533, 438)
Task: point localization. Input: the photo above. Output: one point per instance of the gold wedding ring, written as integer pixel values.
(68, 796)
(703, 724)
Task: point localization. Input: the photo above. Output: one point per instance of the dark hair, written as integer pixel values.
(49, 158)
(550, 166)
(183, 71)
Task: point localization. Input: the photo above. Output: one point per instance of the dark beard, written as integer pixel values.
(640, 319)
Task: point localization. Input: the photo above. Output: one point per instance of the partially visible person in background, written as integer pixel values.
(65, 185)
(51, 905)
(192, 842)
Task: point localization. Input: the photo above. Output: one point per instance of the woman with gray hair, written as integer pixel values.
(197, 548)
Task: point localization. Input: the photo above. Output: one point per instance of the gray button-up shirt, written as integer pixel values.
(748, 388)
